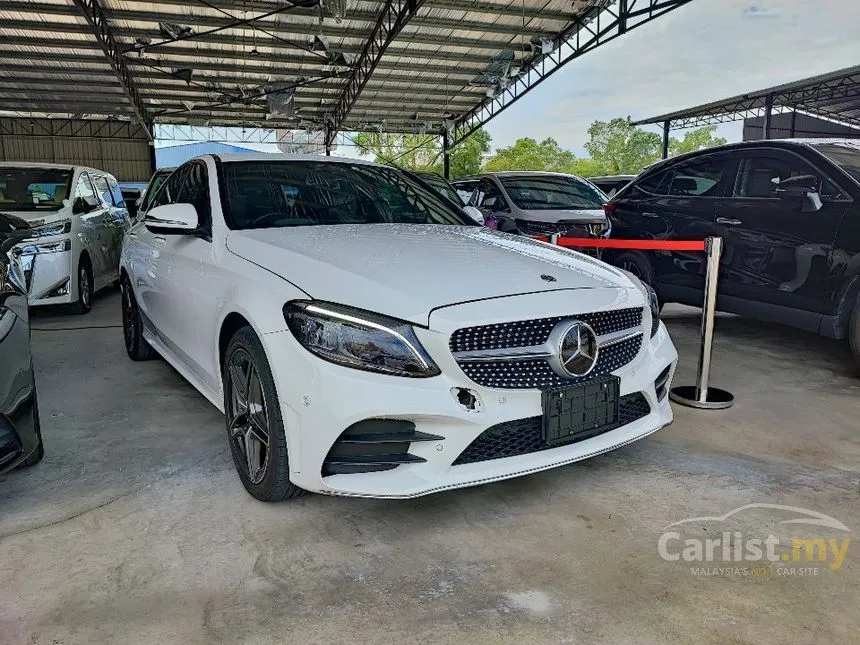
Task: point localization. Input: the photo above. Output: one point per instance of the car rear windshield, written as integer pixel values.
(552, 193)
(846, 157)
(28, 189)
(266, 194)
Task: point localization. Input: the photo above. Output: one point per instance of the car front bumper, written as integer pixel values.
(47, 264)
(320, 400)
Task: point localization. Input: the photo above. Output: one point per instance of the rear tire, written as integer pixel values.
(132, 327)
(255, 429)
(854, 334)
(85, 287)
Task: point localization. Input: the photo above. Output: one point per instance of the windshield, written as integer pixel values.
(29, 189)
(552, 192)
(441, 186)
(264, 194)
(846, 157)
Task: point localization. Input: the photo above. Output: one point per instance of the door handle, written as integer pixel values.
(650, 215)
(160, 239)
(728, 221)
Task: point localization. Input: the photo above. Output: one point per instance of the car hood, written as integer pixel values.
(577, 216)
(407, 270)
(36, 217)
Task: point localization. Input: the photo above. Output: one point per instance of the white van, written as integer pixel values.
(77, 219)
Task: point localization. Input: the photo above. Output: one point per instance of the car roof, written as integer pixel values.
(56, 166)
(611, 178)
(518, 173)
(268, 156)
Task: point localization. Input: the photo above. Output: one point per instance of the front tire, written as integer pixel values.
(132, 327)
(85, 287)
(255, 429)
(854, 334)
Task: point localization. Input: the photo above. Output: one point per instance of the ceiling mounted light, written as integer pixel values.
(141, 42)
(189, 105)
(333, 9)
(174, 31)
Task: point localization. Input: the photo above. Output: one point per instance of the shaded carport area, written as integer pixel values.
(440, 67)
(833, 97)
(135, 527)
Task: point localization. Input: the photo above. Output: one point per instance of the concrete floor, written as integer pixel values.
(135, 529)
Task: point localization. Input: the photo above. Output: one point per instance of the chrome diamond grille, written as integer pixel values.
(536, 373)
(526, 333)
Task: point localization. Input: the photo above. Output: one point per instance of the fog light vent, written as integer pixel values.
(374, 445)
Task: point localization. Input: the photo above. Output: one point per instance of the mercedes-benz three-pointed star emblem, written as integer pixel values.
(577, 349)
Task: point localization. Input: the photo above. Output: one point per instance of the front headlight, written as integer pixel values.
(359, 339)
(63, 227)
(654, 302)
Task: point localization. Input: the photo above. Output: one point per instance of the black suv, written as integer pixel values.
(789, 214)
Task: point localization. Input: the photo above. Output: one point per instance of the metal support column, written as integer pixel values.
(665, 139)
(768, 115)
(327, 135)
(152, 163)
(793, 123)
(446, 155)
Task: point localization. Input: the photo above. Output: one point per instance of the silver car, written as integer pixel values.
(538, 203)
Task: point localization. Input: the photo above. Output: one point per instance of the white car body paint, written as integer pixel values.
(97, 234)
(440, 278)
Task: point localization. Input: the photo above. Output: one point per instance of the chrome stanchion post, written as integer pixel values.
(553, 239)
(702, 395)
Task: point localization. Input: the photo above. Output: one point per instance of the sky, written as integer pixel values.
(701, 52)
(704, 51)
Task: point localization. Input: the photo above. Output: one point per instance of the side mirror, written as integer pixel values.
(803, 188)
(474, 213)
(172, 219)
(796, 187)
(80, 206)
(507, 225)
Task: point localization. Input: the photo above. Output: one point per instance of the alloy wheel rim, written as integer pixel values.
(84, 279)
(633, 268)
(247, 420)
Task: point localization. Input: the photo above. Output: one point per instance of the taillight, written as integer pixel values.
(609, 208)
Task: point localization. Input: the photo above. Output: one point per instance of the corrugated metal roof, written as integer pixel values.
(835, 95)
(435, 69)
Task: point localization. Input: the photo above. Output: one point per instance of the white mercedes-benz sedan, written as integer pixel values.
(365, 337)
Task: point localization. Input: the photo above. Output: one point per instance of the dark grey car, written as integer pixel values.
(20, 435)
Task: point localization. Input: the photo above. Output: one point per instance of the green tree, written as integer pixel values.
(528, 154)
(619, 148)
(467, 157)
(412, 151)
(695, 140)
(424, 152)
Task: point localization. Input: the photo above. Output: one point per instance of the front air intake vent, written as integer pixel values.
(374, 445)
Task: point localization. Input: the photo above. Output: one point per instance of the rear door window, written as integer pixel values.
(699, 177)
(761, 172)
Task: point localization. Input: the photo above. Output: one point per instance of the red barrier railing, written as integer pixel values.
(640, 245)
(699, 395)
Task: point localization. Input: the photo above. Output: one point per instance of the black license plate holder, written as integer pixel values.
(576, 412)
